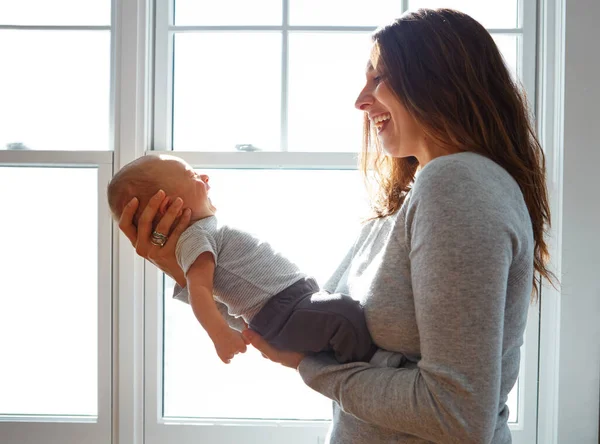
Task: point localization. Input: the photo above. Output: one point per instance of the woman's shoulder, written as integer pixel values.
(465, 173)
(468, 187)
(465, 165)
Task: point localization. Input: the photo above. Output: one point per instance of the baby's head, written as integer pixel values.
(145, 176)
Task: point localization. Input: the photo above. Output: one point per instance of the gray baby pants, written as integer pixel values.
(302, 318)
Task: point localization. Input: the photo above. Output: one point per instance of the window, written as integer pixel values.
(56, 87)
(236, 199)
(261, 93)
(55, 296)
(91, 85)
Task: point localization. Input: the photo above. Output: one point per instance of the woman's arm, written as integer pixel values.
(460, 258)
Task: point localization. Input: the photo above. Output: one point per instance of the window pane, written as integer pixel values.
(55, 12)
(227, 91)
(509, 47)
(227, 12)
(490, 13)
(513, 403)
(298, 217)
(48, 292)
(322, 90)
(343, 12)
(55, 91)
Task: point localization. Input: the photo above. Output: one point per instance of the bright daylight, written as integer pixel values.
(299, 221)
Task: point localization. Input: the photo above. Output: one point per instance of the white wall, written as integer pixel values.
(579, 361)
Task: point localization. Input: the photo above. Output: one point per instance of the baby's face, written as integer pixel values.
(186, 183)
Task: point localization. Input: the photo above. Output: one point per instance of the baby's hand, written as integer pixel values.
(228, 343)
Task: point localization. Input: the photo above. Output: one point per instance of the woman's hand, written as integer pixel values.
(163, 257)
(288, 358)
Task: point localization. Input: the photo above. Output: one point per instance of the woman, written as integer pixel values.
(445, 268)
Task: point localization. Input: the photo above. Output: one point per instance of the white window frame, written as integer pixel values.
(38, 429)
(159, 430)
(133, 33)
(569, 369)
(568, 406)
(35, 429)
(163, 60)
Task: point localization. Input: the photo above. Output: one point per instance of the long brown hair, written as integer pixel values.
(447, 71)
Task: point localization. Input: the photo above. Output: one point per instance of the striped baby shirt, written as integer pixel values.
(248, 272)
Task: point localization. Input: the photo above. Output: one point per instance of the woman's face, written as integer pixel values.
(397, 130)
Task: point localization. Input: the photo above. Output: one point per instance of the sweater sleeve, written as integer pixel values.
(460, 255)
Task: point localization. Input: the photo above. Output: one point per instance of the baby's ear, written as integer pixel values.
(164, 206)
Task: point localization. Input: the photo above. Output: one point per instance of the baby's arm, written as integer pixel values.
(237, 323)
(228, 342)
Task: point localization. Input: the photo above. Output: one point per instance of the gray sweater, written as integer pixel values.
(446, 281)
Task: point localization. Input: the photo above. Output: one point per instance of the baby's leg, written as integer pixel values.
(327, 322)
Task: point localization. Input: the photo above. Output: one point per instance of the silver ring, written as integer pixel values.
(158, 235)
(158, 239)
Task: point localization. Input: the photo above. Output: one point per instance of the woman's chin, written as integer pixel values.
(392, 151)
(389, 148)
(396, 151)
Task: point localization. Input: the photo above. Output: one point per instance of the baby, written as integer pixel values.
(234, 268)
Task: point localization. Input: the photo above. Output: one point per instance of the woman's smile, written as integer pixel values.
(380, 121)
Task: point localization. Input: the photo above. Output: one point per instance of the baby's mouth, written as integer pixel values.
(381, 121)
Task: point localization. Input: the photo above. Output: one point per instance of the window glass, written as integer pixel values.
(343, 12)
(55, 90)
(55, 12)
(227, 12)
(49, 291)
(491, 14)
(227, 91)
(297, 217)
(323, 88)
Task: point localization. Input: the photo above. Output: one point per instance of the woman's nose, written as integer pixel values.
(364, 99)
(204, 178)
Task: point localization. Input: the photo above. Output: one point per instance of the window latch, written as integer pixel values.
(246, 147)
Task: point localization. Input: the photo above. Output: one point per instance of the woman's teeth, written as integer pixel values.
(379, 121)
